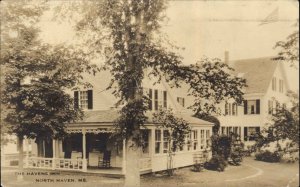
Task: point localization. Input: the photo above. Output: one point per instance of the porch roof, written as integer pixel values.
(109, 116)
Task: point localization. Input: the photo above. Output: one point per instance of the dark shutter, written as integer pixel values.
(150, 99)
(245, 107)
(257, 106)
(90, 99)
(165, 99)
(245, 133)
(76, 106)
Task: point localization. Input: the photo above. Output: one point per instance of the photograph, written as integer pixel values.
(149, 93)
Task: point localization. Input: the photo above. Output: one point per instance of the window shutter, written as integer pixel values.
(150, 99)
(257, 106)
(245, 107)
(245, 133)
(76, 104)
(90, 99)
(165, 99)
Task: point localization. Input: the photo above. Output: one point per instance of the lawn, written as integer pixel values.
(250, 173)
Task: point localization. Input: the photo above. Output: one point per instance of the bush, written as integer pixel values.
(268, 156)
(217, 163)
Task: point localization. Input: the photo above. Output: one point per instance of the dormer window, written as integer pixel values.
(83, 99)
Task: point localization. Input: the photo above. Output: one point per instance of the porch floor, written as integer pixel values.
(117, 171)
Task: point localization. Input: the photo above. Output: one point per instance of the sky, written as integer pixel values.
(209, 28)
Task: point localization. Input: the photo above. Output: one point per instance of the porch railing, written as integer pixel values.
(145, 164)
(56, 163)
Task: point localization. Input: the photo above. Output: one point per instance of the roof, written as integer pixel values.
(109, 116)
(258, 73)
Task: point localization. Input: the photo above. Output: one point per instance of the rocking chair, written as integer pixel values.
(104, 162)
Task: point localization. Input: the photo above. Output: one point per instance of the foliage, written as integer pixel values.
(36, 75)
(268, 156)
(221, 145)
(217, 163)
(133, 43)
(229, 147)
(179, 127)
(284, 125)
(211, 119)
(237, 151)
(289, 49)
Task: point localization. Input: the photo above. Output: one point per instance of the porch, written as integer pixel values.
(84, 151)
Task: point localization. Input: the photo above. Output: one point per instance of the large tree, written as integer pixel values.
(289, 49)
(35, 76)
(283, 126)
(128, 33)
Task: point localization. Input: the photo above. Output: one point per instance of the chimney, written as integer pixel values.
(226, 57)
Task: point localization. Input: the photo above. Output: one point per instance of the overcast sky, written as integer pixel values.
(211, 27)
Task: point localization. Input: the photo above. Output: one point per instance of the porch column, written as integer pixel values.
(124, 157)
(53, 151)
(84, 161)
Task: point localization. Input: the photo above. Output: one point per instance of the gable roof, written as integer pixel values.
(258, 73)
(109, 116)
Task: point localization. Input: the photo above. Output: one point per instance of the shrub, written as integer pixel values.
(268, 156)
(217, 163)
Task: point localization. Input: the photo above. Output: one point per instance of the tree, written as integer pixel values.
(289, 49)
(284, 125)
(36, 76)
(211, 119)
(128, 34)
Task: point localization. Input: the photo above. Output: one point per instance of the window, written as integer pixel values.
(145, 136)
(155, 99)
(166, 141)
(165, 99)
(252, 106)
(234, 109)
(274, 83)
(207, 138)
(83, 99)
(202, 140)
(195, 139)
(280, 85)
(250, 133)
(180, 100)
(189, 141)
(157, 141)
(270, 107)
(226, 109)
(231, 109)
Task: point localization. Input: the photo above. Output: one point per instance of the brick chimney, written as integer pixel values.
(226, 57)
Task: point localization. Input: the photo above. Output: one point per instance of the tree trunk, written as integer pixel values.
(132, 175)
(20, 147)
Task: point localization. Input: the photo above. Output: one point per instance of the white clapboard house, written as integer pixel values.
(89, 143)
(267, 83)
